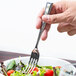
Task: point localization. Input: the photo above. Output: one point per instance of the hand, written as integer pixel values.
(64, 13)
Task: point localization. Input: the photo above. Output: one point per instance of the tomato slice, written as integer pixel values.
(49, 72)
(10, 72)
(58, 67)
(35, 69)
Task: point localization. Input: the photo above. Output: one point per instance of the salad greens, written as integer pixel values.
(16, 73)
(11, 65)
(14, 69)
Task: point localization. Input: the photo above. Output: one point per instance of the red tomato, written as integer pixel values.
(35, 69)
(58, 66)
(49, 72)
(10, 72)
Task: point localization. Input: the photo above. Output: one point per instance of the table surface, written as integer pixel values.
(9, 55)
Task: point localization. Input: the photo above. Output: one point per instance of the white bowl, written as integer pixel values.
(43, 61)
(1, 75)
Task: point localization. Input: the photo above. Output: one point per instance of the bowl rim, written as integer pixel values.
(19, 58)
(39, 58)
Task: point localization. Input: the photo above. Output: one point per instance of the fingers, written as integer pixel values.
(41, 13)
(55, 18)
(38, 23)
(44, 35)
(72, 32)
(65, 27)
(45, 32)
(39, 19)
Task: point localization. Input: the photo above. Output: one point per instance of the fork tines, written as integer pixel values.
(33, 61)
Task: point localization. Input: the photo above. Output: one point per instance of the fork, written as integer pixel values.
(35, 53)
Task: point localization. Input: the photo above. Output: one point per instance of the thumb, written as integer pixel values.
(55, 18)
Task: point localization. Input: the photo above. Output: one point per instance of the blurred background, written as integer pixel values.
(18, 31)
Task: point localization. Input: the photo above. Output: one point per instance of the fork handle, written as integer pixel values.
(47, 11)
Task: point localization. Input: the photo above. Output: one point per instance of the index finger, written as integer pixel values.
(41, 13)
(39, 19)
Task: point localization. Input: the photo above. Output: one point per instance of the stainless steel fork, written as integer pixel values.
(35, 53)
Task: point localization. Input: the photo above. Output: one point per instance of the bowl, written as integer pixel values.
(46, 61)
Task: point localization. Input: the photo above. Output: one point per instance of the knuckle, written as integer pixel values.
(55, 18)
(48, 20)
(69, 17)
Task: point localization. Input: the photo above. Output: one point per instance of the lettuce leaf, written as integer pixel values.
(57, 71)
(16, 73)
(42, 71)
(34, 73)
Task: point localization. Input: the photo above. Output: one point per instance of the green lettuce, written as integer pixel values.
(57, 71)
(16, 73)
(42, 71)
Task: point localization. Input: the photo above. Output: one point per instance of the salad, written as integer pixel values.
(13, 69)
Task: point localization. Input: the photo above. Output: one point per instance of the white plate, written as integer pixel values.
(43, 61)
